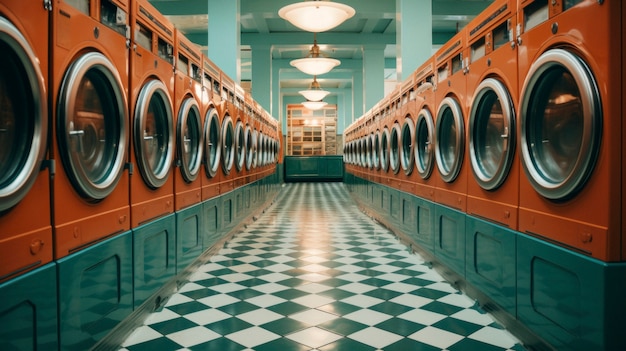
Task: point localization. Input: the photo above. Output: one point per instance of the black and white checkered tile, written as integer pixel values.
(314, 273)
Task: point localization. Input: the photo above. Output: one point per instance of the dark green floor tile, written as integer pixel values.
(232, 262)
(391, 308)
(287, 308)
(238, 308)
(410, 345)
(383, 294)
(187, 307)
(156, 344)
(292, 282)
(376, 282)
(346, 344)
(245, 294)
(441, 308)
(396, 259)
(359, 249)
(339, 308)
(212, 281)
(366, 265)
(200, 293)
(473, 345)
(296, 272)
(281, 344)
(334, 282)
(173, 325)
(242, 246)
(429, 293)
(252, 282)
(268, 255)
(284, 326)
(221, 344)
(229, 325)
(221, 272)
(259, 272)
(457, 326)
(343, 326)
(400, 326)
(262, 263)
(336, 294)
(290, 294)
(417, 281)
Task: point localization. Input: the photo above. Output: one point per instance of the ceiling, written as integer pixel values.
(259, 21)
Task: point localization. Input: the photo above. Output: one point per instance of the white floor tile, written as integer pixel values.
(313, 317)
(252, 337)
(494, 336)
(193, 336)
(436, 337)
(314, 337)
(141, 334)
(207, 316)
(362, 301)
(266, 300)
(367, 317)
(375, 337)
(260, 316)
(313, 288)
(422, 317)
(313, 301)
(218, 300)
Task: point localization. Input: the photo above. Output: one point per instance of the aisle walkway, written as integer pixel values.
(314, 273)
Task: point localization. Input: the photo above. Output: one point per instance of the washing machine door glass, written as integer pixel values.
(394, 148)
(561, 124)
(491, 134)
(92, 125)
(189, 132)
(212, 141)
(260, 148)
(375, 140)
(240, 145)
(384, 150)
(450, 139)
(254, 146)
(23, 116)
(424, 142)
(228, 144)
(249, 147)
(407, 146)
(153, 133)
(368, 151)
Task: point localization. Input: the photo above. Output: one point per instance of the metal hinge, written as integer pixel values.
(47, 5)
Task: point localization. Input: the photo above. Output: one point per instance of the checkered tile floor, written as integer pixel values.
(314, 273)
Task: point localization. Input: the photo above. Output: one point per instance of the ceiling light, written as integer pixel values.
(316, 16)
(313, 64)
(314, 105)
(315, 92)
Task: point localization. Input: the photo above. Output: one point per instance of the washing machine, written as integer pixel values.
(425, 111)
(25, 240)
(211, 101)
(407, 117)
(571, 127)
(89, 89)
(492, 98)
(229, 116)
(152, 114)
(188, 121)
(241, 147)
(450, 123)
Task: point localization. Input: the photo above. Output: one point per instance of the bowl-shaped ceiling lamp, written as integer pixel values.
(315, 92)
(316, 16)
(314, 105)
(314, 64)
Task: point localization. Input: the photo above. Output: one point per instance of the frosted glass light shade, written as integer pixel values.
(314, 94)
(314, 105)
(315, 65)
(316, 16)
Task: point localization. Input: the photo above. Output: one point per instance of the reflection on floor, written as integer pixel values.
(314, 273)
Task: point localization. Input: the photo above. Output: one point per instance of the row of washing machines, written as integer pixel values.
(502, 157)
(125, 153)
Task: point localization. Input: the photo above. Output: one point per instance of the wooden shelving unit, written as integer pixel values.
(311, 132)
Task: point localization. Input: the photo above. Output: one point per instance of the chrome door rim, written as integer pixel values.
(394, 153)
(228, 151)
(384, 150)
(189, 169)
(407, 157)
(212, 159)
(425, 155)
(240, 146)
(449, 172)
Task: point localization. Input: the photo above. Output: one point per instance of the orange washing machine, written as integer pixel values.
(229, 119)
(25, 239)
(450, 154)
(568, 68)
(450, 123)
(90, 188)
(151, 108)
(425, 110)
(407, 118)
(396, 121)
(89, 85)
(571, 141)
(492, 91)
(240, 137)
(211, 101)
(250, 137)
(188, 129)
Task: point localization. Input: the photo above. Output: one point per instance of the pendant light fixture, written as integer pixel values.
(314, 64)
(316, 16)
(314, 105)
(315, 92)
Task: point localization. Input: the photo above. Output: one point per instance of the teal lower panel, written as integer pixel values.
(95, 291)
(407, 212)
(450, 238)
(189, 232)
(212, 222)
(423, 231)
(228, 210)
(28, 312)
(154, 249)
(572, 301)
(490, 264)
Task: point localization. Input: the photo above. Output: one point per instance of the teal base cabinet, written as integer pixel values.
(189, 232)
(28, 313)
(450, 238)
(313, 168)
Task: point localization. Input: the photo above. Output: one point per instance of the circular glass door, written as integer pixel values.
(255, 145)
(23, 116)
(189, 129)
(260, 148)
(491, 134)
(212, 142)
(228, 144)
(407, 146)
(384, 150)
(240, 146)
(249, 147)
(424, 144)
(368, 151)
(450, 139)
(92, 125)
(153, 138)
(561, 124)
(363, 143)
(394, 148)
(375, 138)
